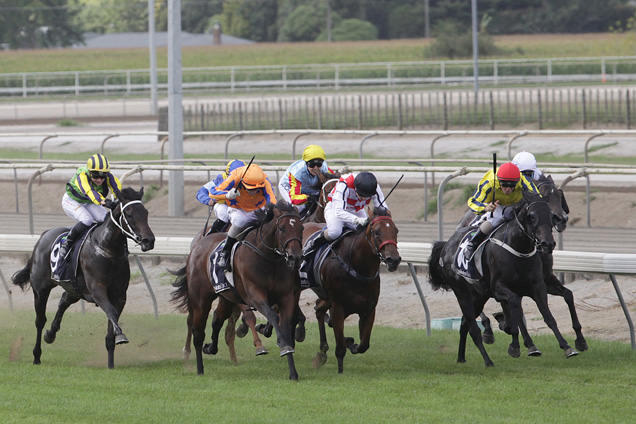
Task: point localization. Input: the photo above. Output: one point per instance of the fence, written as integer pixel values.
(318, 77)
(608, 107)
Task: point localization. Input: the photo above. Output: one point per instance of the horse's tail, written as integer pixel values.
(436, 277)
(179, 297)
(21, 278)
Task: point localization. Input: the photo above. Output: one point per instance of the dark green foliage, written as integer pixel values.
(351, 30)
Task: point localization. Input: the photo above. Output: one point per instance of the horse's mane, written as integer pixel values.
(130, 193)
(381, 211)
(266, 215)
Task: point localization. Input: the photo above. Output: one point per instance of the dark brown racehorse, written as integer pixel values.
(103, 273)
(318, 214)
(264, 268)
(350, 277)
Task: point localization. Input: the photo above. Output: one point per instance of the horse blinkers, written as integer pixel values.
(540, 228)
(381, 241)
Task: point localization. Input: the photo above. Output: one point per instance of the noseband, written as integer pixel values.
(280, 252)
(532, 236)
(378, 249)
(130, 232)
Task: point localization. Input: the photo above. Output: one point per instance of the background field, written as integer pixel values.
(515, 46)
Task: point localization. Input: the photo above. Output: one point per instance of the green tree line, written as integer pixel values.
(54, 23)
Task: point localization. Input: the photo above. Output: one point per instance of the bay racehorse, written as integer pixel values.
(350, 282)
(264, 268)
(511, 269)
(103, 272)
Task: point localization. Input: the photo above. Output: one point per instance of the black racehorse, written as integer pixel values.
(350, 282)
(560, 210)
(512, 269)
(103, 273)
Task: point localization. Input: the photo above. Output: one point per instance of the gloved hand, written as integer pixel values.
(361, 222)
(344, 170)
(312, 198)
(232, 194)
(110, 204)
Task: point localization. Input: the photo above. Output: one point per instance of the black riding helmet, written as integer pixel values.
(365, 184)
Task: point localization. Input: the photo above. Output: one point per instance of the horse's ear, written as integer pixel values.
(550, 179)
(141, 193)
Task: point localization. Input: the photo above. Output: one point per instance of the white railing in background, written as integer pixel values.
(332, 76)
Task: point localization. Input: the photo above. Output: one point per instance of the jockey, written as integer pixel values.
(527, 164)
(300, 184)
(220, 207)
(85, 197)
(245, 190)
(347, 206)
(508, 189)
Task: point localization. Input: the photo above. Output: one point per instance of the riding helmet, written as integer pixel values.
(525, 161)
(508, 172)
(98, 163)
(365, 184)
(254, 177)
(313, 151)
(232, 165)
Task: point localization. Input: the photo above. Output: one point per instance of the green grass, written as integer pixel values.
(404, 377)
(518, 46)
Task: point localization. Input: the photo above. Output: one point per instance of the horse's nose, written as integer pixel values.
(392, 263)
(547, 247)
(147, 243)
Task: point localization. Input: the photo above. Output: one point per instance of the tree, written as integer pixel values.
(38, 23)
(306, 22)
(351, 30)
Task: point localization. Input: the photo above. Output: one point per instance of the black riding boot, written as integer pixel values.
(77, 230)
(315, 244)
(217, 226)
(474, 241)
(224, 255)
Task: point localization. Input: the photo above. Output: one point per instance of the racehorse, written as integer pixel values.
(559, 209)
(264, 269)
(511, 270)
(103, 272)
(318, 214)
(350, 281)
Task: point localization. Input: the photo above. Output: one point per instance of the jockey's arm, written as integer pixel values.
(85, 186)
(481, 197)
(295, 194)
(340, 203)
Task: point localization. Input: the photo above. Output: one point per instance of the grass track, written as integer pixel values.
(404, 377)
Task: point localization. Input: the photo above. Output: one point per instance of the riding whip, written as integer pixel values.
(246, 168)
(494, 179)
(395, 185)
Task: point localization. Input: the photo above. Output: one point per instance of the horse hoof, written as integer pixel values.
(300, 334)
(286, 350)
(241, 331)
(515, 352)
(49, 337)
(261, 351)
(534, 351)
(319, 360)
(121, 339)
(209, 349)
(488, 338)
(185, 354)
(581, 345)
(569, 352)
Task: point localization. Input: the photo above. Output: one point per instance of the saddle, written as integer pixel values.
(65, 270)
(309, 270)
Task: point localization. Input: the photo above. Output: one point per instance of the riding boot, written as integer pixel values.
(315, 244)
(224, 255)
(473, 242)
(217, 226)
(77, 230)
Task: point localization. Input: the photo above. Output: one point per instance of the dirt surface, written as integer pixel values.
(399, 305)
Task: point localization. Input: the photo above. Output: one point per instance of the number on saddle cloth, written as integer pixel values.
(471, 270)
(65, 270)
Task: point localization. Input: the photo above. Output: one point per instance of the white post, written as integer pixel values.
(154, 110)
(175, 108)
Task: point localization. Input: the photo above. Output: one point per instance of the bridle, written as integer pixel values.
(279, 251)
(129, 232)
(377, 249)
(532, 236)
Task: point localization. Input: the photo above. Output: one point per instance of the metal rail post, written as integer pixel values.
(588, 187)
(513, 138)
(440, 200)
(422, 298)
(362, 143)
(433, 154)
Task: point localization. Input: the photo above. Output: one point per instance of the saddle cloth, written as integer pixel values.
(471, 270)
(65, 270)
(221, 279)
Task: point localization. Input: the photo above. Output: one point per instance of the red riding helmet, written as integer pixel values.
(508, 172)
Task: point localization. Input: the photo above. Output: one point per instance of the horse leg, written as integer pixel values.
(250, 320)
(299, 322)
(470, 309)
(222, 312)
(337, 320)
(101, 299)
(40, 299)
(199, 320)
(112, 338)
(527, 339)
(321, 357)
(230, 332)
(488, 336)
(63, 305)
(365, 325)
(540, 297)
(187, 347)
(511, 304)
(555, 287)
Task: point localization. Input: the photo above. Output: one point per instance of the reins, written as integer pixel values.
(280, 252)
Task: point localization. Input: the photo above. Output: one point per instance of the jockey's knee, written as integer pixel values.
(332, 233)
(487, 226)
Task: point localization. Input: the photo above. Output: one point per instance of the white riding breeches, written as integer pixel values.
(239, 220)
(85, 213)
(334, 225)
(220, 211)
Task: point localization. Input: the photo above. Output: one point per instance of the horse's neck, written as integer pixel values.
(264, 236)
(512, 234)
(109, 236)
(356, 248)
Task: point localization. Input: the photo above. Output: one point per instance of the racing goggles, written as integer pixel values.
(98, 174)
(315, 163)
(509, 184)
